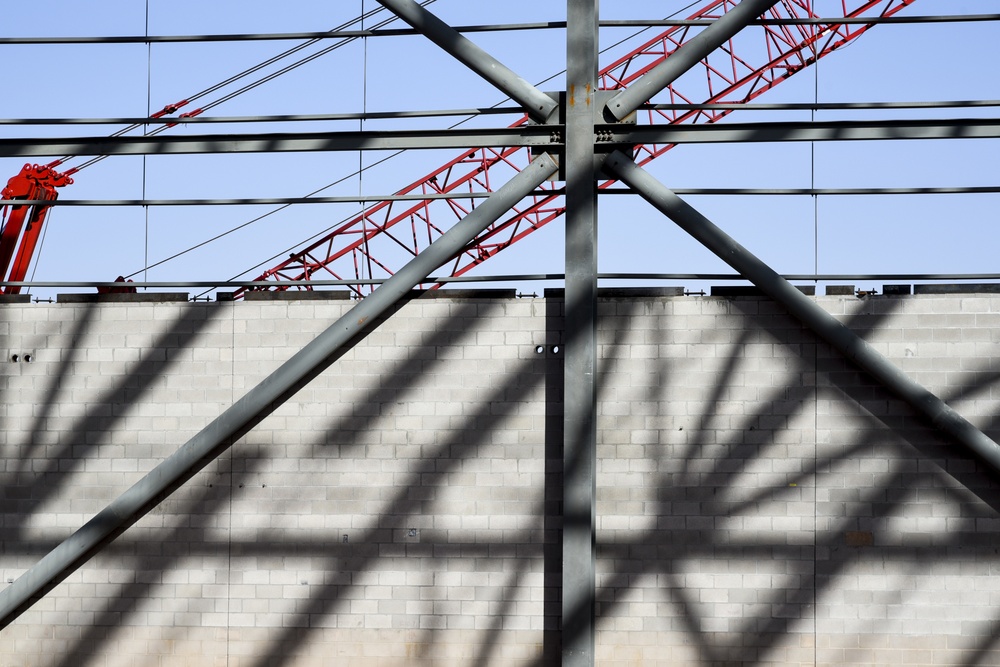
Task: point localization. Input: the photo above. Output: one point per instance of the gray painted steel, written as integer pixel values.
(865, 130)
(580, 370)
(812, 316)
(830, 106)
(360, 199)
(538, 105)
(533, 135)
(491, 111)
(687, 56)
(283, 118)
(259, 402)
(507, 277)
(545, 25)
(545, 137)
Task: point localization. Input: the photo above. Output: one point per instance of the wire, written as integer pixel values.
(505, 27)
(283, 118)
(389, 157)
(266, 215)
(41, 245)
(273, 37)
(145, 130)
(361, 153)
(247, 72)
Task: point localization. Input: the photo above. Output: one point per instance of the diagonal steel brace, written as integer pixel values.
(537, 104)
(259, 402)
(826, 326)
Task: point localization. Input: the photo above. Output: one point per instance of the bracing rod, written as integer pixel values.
(804, 309)
(260, 401)
(537, 104)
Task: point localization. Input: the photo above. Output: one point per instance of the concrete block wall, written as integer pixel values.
(759, 501)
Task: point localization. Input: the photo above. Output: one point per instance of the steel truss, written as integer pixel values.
(740, 71)
(583, 159)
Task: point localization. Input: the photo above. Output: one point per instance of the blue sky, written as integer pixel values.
(920, 233)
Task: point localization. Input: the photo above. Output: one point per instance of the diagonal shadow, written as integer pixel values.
(671, 547)
(985, 652)
(201, 513)
(912, 429)
(886, 498)
(493, 633)
(758, 635)
(432, 471)
(405, 374)
(62, 371)
(693, 486)
(109, 410)
(721, 477)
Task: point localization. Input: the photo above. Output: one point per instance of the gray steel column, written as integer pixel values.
(259, 402)
(804, 309)
(687, 56)
(537, 104)
(580, 386)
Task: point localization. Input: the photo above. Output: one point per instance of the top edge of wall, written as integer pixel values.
(127, 297)
(725, 291)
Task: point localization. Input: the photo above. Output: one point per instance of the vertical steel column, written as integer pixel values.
(580, 396)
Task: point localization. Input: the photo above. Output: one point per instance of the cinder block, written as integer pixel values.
(462, 448)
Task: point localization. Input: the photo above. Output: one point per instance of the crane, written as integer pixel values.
(359, 247)
(371, 243)
(23, 222)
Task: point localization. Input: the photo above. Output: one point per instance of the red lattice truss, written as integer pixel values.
(385, 235)
(761, 57)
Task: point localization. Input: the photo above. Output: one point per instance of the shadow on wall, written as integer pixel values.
(755, 495)
(816, 506)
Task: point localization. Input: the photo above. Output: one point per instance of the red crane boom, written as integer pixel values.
(382, 235)
(23, 222)
(388, 233)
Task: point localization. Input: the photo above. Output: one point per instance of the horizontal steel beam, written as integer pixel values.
(512, 277)
(714, 192)
(823, 21)
(830, 192)
(823, 106)
(266, 201)
(280, 118)
(528, 135)
(279, 36)
(496, 111)
(843, 130)
(503, 27)
(546, 137)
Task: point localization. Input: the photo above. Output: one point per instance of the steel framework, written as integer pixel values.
(739, 71)
(588, 123)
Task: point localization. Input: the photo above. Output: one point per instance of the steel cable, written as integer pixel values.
(247, 72)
